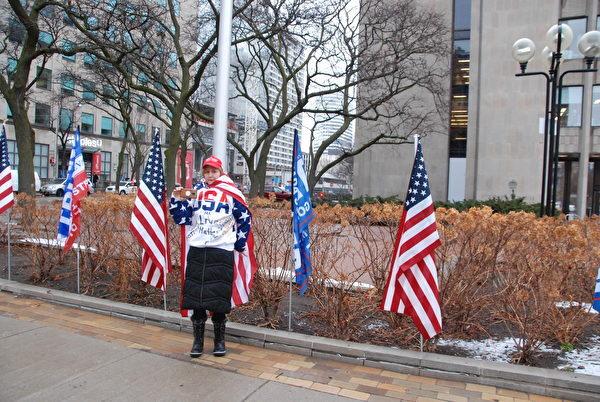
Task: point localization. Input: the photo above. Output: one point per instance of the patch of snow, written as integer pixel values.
(377, 325)
(278, 272)
(584, 360)
(52, 243)
(568, 304)
(498, 350)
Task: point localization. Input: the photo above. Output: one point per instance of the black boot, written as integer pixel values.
(219, 328)
(198, 338)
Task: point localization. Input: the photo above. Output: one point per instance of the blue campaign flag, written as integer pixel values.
(596, 298)
(303, 214)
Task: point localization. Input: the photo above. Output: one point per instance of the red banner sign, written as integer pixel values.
(189, 168)
(96, 163)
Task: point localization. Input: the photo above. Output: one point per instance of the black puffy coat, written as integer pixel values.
(208, 280)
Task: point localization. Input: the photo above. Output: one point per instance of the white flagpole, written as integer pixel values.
(292, 266)
(416, 136)
(222, 81)
(165, 292)
(9, 248)
(78, 254)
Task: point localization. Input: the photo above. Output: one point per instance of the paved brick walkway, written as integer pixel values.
(357, 382)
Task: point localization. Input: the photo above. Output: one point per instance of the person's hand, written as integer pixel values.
(175, 193)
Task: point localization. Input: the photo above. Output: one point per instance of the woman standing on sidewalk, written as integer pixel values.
(220, 223)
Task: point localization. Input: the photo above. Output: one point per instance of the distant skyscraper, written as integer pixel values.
(330, 123)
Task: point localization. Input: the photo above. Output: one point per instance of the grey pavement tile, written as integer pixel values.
(11, 327)
(274, 391)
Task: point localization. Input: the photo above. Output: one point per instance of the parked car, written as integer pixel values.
(15, 180)
(125, 188)
(57, 187)
(279, 193)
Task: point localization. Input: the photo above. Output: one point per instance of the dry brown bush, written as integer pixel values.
(272, 236)
(495, 271)
(35, 222)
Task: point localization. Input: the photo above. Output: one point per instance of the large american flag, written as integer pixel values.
(7, 198)
(412, 285)
(149, 220)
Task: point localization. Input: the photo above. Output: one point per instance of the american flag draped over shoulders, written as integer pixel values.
(245, 264)
(76, 188)
(412, 285)
(149, 219)
(7, 198)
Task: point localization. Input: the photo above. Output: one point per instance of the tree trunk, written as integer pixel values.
(258, 178)
(182, 164)
(25, 142)
(171, 152)
(120, 158)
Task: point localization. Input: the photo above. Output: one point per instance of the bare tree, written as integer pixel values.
(61, 124)
(391, 51)
(160, 51)
(35, 32)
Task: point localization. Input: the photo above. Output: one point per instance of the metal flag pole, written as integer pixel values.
(222, 81)
(293, 254)
(420, 335)
(291, 277)
(9, 248)
(78, 258)
(165, 295)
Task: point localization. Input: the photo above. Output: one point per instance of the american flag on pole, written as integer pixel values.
(412, 285)
(7, 198)
(244, 263)
(76, 188)
(149, 219)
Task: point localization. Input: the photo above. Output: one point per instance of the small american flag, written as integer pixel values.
(412, 286)
(7, 198)
(149, 220)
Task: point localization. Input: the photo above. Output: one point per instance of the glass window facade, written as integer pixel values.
(44, 80)
(106, 165)
(40, 160)
(42, 114)
(141, 131)
(87, 123)
(67, 45)
(66, 119)
(89, 89)
(68, 85)
(89, 59)
(106, 126)
(596, 106)
(459, 101)
(570, 108)
(45, 39)
(13, 153)
(579, 27)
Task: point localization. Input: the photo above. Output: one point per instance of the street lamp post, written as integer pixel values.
(558, 36)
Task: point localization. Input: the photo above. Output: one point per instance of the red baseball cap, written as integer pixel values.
(213, 161)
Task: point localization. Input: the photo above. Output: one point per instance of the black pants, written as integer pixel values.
(200, 315)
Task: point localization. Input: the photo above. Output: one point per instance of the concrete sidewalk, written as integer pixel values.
(48, 364)
(56, 352)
